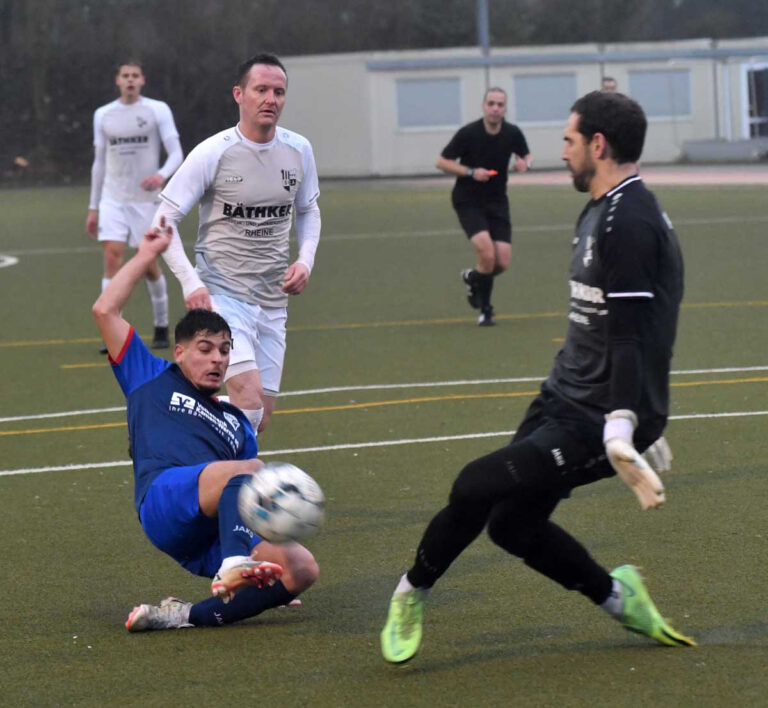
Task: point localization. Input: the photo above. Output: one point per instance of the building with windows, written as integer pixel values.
(391, 113)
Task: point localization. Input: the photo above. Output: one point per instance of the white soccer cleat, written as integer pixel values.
(241, 571)
(172, 613)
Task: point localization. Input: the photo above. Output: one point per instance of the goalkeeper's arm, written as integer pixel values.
(625, 318)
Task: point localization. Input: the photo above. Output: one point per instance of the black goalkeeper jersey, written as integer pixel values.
(624, 249)
(473, 146)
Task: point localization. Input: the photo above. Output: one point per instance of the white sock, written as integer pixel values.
(158, 294)
(614, 605)
(405, 586)
(254, 415)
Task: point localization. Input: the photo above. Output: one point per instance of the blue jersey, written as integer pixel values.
(170, 422)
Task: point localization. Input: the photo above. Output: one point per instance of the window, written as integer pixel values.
(662, 93)
(428, 103)
(544, 98)
(757, 88)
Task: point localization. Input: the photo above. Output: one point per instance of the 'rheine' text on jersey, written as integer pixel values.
(247, 193)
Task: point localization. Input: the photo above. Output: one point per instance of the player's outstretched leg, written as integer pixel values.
(171, 613)
(640, 614)
(237, 572)
(401, 636)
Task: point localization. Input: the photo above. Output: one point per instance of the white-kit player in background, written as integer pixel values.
(250, 182)
(126, 178)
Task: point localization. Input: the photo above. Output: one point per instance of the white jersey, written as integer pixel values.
(132, 135)
(247, 194)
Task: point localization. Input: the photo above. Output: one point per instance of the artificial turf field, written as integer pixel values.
(388, 387)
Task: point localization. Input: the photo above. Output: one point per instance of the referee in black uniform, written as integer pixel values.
(479, 155)
(605, 401)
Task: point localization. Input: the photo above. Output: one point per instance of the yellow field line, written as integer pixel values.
(397, 323)
(63, 429)
(377, 404)
(719, 382)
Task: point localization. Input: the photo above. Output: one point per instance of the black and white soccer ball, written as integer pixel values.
(281, 503)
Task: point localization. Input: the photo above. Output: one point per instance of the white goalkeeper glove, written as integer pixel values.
(636, 473)
(659, 456)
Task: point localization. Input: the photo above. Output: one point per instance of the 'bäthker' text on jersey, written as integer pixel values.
(247, 194)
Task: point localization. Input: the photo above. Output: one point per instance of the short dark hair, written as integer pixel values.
(197, 321)
(129, 62)
(616, 116)
(263, 58)
(494, 89)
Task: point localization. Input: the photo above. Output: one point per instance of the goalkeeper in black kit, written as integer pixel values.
(605, 401)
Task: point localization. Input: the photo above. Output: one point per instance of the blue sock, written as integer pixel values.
(235, 537)
(249, 602)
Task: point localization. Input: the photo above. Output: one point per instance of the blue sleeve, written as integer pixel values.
(251, 446)
(135, 365)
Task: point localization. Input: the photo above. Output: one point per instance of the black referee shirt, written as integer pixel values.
(473, 146)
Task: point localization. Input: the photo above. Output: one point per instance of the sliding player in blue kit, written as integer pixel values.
(191, 454)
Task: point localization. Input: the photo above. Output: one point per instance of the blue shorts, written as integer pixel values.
(171, 518)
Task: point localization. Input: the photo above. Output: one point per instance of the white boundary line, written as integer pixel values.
(384, 387)
(423, 233)
(360, 446)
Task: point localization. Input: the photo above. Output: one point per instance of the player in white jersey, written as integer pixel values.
(125, 180)
(250, 181)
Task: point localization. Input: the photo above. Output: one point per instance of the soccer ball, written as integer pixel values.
(281, 503)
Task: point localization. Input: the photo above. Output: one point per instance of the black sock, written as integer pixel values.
(249, 602)
(484, 286)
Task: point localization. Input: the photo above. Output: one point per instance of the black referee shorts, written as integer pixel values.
(492, 217)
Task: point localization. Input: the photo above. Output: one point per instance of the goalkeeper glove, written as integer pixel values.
(659, 456)
(636, 473)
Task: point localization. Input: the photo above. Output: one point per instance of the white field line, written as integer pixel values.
(385, 387)
(359, 446)
(363, 236)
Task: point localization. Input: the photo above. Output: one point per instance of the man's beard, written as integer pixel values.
(582, 179)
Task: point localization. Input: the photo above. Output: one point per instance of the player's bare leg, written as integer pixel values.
(246, 392)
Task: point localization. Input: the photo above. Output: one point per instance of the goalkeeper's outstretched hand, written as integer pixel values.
(636, 473)
(630, 466)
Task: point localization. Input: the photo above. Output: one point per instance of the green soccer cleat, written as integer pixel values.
(401, 635)
(640, 614)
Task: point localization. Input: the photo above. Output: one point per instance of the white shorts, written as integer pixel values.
(125, 221)
(258, 339)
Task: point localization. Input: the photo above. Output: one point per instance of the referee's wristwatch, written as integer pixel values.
(470, 172)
